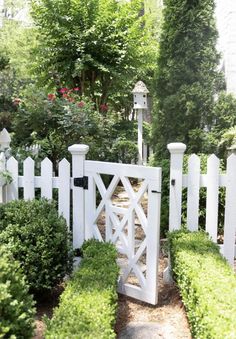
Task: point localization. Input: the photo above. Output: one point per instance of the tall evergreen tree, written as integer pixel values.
(188, 78)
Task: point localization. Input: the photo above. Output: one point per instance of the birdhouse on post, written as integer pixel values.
(140, 93)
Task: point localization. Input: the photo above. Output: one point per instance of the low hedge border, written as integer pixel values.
(207, 284)
(16, 304)
(87, 307)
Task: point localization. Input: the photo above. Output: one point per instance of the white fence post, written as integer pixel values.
(176, 175)
(78, 157)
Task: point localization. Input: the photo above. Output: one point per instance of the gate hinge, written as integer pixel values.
(81, 182)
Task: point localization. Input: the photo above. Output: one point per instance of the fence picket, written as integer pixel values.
(12, 188)
(193, 192)
(230, 210)
(64, 190)
(213, 167)
(28, 179)
(46, 174)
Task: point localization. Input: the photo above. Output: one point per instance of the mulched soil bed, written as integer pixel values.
(45, 306)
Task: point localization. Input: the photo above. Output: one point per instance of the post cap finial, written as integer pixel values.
(176, 147)
(78, 149)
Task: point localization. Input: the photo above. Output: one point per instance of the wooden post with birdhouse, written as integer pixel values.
(140, 93)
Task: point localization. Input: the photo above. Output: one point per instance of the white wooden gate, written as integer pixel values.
(134, 226)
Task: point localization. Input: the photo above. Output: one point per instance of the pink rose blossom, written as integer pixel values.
(81, 104)
(63, 90)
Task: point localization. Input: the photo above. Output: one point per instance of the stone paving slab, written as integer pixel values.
(138, 330)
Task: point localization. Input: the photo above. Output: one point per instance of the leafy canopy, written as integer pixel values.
(95, 44)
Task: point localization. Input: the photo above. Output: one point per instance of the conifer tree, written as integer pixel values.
(187, 78)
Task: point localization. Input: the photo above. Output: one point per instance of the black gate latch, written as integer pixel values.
(81, 182)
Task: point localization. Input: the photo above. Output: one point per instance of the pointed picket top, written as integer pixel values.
(28, 160)
(12, 160)
(46, 163)
(212, 158)
(213, 164)
(64, 163)
(232, 157)
(193, 158)
(5, 136)
(12, 165)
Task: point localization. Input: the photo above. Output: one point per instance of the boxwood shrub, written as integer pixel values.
(16, 304)
(38, 239)
(207, 285)
(88, 305)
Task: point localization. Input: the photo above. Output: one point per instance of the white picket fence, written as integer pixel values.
(46, 182)
(212, 181)
(122, 225)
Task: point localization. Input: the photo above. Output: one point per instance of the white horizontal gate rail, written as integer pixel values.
(193, 181)
(120, 225)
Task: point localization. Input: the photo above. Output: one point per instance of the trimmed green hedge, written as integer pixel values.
(88, 305)
(16, 304)
(207, 285)
(38, 239)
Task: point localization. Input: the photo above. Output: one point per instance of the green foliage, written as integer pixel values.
(16, 304)
(88, 305)
(16, 44)
(228, 140)
(58, 120)
(187, 78)
(96, 44)
(217, 139)
(38, 239)
(125, 151)
(207, 285)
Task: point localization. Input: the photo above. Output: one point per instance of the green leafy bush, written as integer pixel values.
(38, 239)
(207, 285)
(88, 305)
(16, 304)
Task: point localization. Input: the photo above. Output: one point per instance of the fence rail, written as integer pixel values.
(46, 182)
(212, 181)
